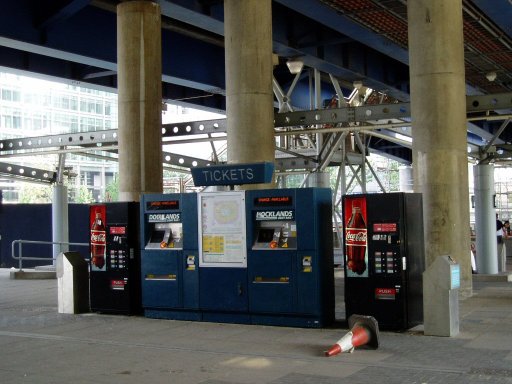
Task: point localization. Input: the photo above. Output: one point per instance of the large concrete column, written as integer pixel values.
(249, 95)
(485, 220)
(139, 74)
(405, 178)
(319, 179)
(438, 109)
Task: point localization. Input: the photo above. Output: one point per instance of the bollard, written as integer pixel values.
(441, 283)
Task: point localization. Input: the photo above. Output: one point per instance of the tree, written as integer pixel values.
(84, 195)
(35, 194)
(112, 190)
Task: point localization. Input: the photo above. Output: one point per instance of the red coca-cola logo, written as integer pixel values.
(98, 237)
(356, 236)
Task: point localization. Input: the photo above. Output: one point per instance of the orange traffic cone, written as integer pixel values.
(363, 330)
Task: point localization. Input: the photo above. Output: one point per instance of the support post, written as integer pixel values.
(60, 227)
(249, 95)
(438, 111)
(485, 220)
(139, 62)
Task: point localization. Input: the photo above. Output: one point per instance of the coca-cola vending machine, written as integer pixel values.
(115, 258)
(384, 258)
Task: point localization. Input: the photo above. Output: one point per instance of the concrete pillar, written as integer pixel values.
(485, 220)
(319, 179)
(139, 74)
(249, 95)
(438, 109)
(405, 178)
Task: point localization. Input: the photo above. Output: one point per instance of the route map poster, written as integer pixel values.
(222, 229)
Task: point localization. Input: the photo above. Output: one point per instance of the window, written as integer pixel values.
(64, 122)
(91, 106)
(66, 102)
(10, 118)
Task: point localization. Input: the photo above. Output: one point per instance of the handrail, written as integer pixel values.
(20, 242)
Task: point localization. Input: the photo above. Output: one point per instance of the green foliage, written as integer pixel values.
(112, 190)
(84, 195)
(35, 194)
(294, 181)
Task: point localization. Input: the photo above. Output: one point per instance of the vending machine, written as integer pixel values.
(384, 258)
(169, 249)
(290, 257)
(115, 258)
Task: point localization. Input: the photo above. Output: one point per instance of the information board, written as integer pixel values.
(222, 229)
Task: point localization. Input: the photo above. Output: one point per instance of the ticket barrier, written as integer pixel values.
(169, 257)
(290, 257)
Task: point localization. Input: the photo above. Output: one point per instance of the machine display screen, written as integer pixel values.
(384, 227)
(273, 201)
(162, 205)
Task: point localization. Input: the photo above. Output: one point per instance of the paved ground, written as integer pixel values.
(38, 345)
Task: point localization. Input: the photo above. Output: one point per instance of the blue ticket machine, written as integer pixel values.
(169, 256)
(223, 257)
(290, 257)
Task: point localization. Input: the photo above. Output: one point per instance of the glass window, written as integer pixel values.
(6, 94)
(16, 96)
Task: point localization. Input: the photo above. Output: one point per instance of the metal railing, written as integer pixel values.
(20, 256)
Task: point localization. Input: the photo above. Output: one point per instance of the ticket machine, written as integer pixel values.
(169, 256)
(223, 257)
(290, 257)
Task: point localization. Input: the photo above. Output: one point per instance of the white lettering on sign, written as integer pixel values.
(229, 175)
(357, 237)
(98, 237)
(274, 215)
(164, 218)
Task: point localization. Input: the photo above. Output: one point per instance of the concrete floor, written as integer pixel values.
(39, 345)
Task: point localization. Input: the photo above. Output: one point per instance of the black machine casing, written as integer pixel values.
(391, 289)
(117, 289)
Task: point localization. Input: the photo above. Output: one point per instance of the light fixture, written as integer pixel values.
(491, 76)
(295, 65)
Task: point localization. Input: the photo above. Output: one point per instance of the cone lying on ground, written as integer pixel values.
(363, 330)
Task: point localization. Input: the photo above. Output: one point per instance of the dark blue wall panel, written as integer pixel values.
(34, 222)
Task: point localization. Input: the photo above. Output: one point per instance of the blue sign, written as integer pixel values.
(233, 174)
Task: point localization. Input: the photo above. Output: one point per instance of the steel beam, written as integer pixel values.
(94, 138)
(28, 173)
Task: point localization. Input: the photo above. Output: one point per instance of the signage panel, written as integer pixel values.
(233, 174)
(222, 229)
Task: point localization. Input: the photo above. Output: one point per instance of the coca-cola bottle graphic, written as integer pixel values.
(355, 241)
(98, 238)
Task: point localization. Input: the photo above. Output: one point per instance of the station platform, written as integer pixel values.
(39, 345)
